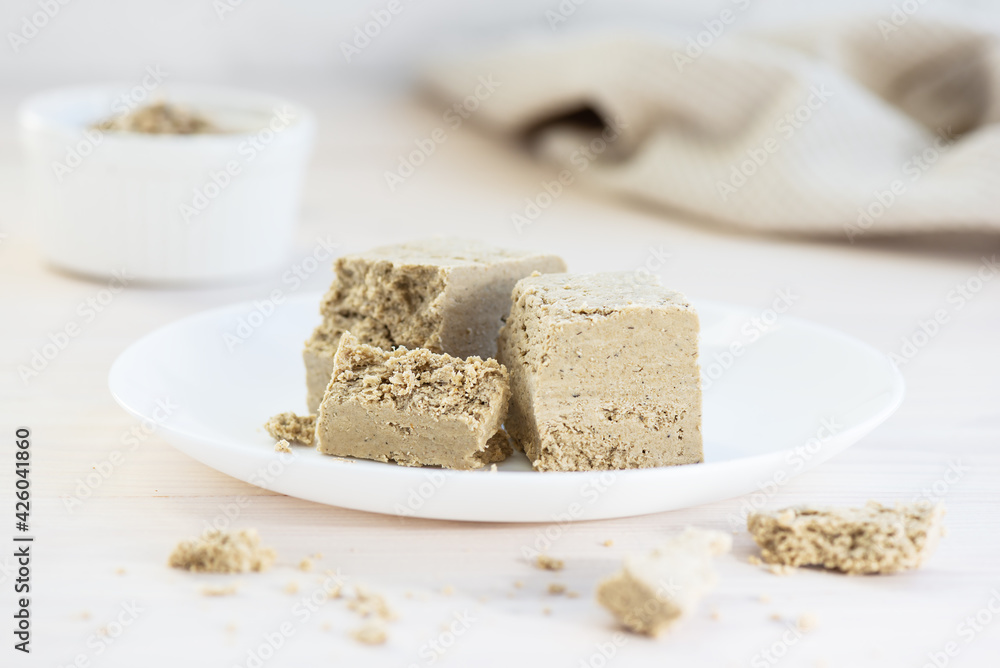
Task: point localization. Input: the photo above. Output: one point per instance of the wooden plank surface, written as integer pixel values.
(877, 290)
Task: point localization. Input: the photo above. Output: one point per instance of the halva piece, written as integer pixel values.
(603, 371)
(870, 539)
(655, 590)
(414, 407)
(445, 295)
(218, 551)
(292, 427)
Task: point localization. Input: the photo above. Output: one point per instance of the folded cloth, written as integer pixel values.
(862, 128)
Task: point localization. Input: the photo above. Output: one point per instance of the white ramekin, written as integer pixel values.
(166, 208)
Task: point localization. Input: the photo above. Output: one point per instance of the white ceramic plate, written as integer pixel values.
(795, 396)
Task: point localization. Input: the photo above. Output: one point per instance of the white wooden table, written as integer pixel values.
(99, 565)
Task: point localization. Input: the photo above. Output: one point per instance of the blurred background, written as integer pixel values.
(245, 41)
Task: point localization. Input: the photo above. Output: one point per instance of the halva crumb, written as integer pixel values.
(223, 552)
(547, 563)
(292, 427)
(159, 118)
(219, 590)
(807, 622)
(371, 633)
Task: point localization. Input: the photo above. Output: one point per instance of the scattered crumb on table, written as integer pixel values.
(306, 565)
(545, 562)
(222, 552)
(219, 590)
(367, 603)
(371, 633)
(282, 446)
(292, 588)
(608, 543)
(807, 621)
(555, 588)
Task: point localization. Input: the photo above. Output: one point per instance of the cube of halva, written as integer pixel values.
(604, 373)
(656, 589)
(444, 295)
(413, 407)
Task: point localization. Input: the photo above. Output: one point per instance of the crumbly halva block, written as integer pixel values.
(604, 373)
(871, 539)
(218, 551)
(414, 407)
(655, 590)
(292, 427)
(449, 296)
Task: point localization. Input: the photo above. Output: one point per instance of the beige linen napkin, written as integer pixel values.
(864, 128)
